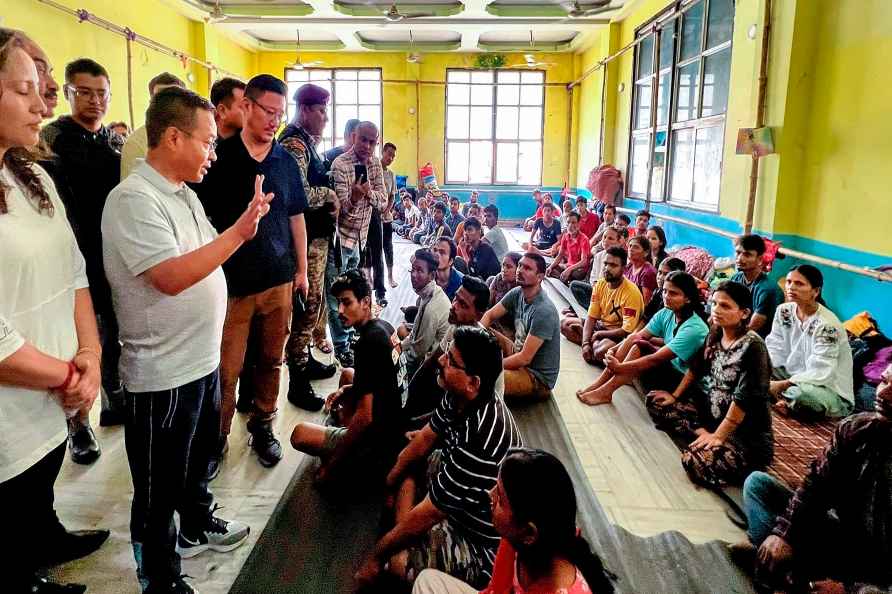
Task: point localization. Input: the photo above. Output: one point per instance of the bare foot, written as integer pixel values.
(782, 408)
(595, 397)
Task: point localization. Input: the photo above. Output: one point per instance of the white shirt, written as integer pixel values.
(597, 267)
(42, 268)
(815, 351)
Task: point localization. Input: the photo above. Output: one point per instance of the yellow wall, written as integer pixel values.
(400, 127)
(64, 39)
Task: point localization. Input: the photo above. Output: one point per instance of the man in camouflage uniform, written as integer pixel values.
(299, 139)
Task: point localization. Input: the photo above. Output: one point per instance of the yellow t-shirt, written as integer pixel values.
(619, 307)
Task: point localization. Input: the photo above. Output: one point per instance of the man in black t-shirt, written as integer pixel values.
(482, 260)
(365, 410)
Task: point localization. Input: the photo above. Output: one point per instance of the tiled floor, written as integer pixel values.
(633, 469)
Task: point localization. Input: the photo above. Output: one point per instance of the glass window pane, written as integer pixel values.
(531, 94)
(532, 78)
(529, 160)
(345, 91)
(370, 113)
(666, 45)
(482, 76)
(716, 74)
(646, 57)
(369, 75)
(508, 94)
(481, 95)
(691, 32)
(342, 114)
(688, 83)
(663, 101)
(708, 166)
(370, 92)
(459, 94)
(457, 122)
(506, 123)
(296, 75)
(721, 20)
(481, 122)
(506, 76)
(641, 113)
(682, 161)
(638, 173)
(480, 166)
(506, 162)
(458, 76)
(320, 74)
(457, 161)
(342, 74)
(531, 123)
(328, 130)
(659, 165)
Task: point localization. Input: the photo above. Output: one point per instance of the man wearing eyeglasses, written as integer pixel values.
(86, 168)
(263, 273)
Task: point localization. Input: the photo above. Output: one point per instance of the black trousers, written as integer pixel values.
(170, 437)
(373, 252)
(387, 228)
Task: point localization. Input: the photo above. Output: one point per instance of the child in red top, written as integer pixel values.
(571, 262)
(589, 221)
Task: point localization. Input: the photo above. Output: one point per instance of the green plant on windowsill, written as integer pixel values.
(489, 61)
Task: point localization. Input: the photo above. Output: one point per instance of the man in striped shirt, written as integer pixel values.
(451, 528)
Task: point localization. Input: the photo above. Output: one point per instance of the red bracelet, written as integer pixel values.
(64, 385)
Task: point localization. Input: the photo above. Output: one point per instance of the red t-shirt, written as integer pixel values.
(574, 248)
(504, 577)
(589, 225)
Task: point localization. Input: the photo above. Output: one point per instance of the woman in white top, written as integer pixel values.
(809, 351)
(49, 345)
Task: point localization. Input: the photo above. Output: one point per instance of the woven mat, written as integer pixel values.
(796, 445)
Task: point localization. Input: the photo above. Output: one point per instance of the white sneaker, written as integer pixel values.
(219, 535)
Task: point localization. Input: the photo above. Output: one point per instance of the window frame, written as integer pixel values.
(662, 193)
(493, 136)
(333, 101)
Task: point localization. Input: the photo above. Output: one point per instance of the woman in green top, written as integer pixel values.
(660, 351)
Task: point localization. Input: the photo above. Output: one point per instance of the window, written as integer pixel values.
(680, 96)
(494, 122)
(355, 93)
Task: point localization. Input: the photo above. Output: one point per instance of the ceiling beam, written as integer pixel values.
(376, 10)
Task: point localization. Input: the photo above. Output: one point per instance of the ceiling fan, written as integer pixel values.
(298, 65)
(216, 15)
(530, 59)
(413, 57)
(394, 15)
(576, 11)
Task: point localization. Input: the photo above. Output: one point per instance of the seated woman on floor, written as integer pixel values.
(541, 550)
(809, 351)
(655, 304)
(722, 402)
(639, 270)
(660, 352)
(504, 281)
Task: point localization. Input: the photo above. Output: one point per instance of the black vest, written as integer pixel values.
(320, 221)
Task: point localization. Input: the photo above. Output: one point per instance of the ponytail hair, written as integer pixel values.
(687, 284)
(814, 277)
(531, 476)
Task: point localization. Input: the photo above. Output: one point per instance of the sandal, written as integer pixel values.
(323, 346)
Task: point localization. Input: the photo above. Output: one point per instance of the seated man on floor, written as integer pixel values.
(545, 234)
(539, 199)
(450, 527)
(448, 278)
(411, 216)
(572, 259)
(429, 324)
(793, 538)
(454, 216)
(533, 358)
(609, 221)
(581, 290)
(613, 313)
(438, 228)
(494, 235)
(589, 221)
(809, 351)
(748, 250)
(467, 309)
(365, 410)
(425, 224)
(642, 222)
(659, 353)
(475, 212)
(472, 200)
(483, 262)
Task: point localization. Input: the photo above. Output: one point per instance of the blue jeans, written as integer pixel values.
(764, 498)
(340, 336)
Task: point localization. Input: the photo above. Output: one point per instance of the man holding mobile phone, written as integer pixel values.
(359, 185)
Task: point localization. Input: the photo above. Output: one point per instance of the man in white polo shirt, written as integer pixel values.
(162, 258)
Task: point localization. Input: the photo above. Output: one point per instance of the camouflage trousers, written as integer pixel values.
(303, 327)
(717, 467)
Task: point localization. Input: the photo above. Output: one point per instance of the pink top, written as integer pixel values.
(504, 576)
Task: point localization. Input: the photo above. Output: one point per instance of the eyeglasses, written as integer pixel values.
(101, 95)
(209, 145)
(271, 114)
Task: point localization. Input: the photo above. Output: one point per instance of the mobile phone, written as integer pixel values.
(360, 173)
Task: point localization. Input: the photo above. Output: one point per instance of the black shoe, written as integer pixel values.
(112, 417)
(74, 544)
(300, 392)
(175, 586)
(82, 444)
(268, 448)
(41, 585)
(345, 357)
(382, 302)
(317, 370)
(216, 461)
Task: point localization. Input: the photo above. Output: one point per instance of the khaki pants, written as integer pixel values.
(434, 581)
(270, 312)
(520, 383)
(303, 327)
